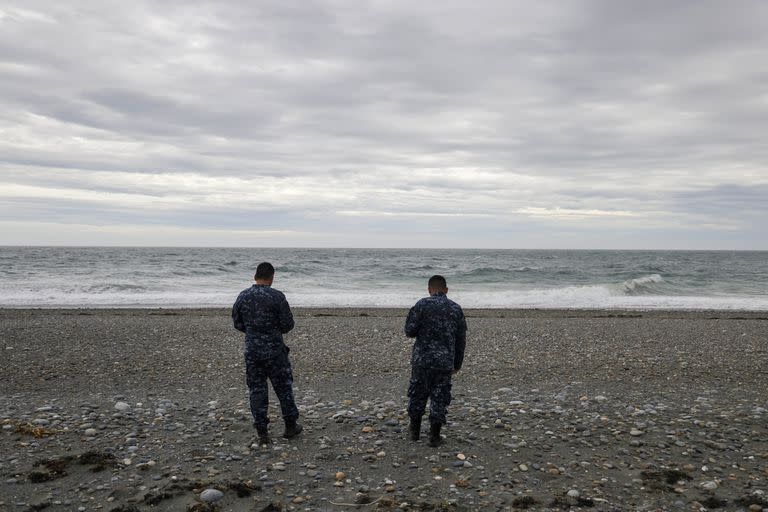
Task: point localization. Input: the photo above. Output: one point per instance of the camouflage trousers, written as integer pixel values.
(278, 371)
(432, 384)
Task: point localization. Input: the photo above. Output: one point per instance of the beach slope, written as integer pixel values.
(126, 410)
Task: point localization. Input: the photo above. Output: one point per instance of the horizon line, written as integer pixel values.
(88, 246)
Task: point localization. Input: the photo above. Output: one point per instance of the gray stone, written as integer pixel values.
(211, 495)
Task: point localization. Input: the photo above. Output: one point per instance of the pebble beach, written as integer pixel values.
(127, 410)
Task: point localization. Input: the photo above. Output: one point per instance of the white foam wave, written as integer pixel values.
(632, 285)
(571, 297)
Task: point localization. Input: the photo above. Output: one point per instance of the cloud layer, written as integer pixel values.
(328, 123)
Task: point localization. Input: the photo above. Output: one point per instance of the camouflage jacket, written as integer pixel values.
(440, 330)
(263, 314)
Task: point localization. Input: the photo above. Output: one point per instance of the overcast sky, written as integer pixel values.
(509, 124)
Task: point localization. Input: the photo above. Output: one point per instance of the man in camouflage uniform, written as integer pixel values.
(440, 330)
(263, 314)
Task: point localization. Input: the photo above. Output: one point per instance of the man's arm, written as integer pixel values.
(461, 342)
(237, 320)
(412, 322)
(285, 317)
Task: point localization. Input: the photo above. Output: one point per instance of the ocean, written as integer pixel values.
(74, 277)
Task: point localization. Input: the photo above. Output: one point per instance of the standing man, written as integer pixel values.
(440, 330)
(263, 314)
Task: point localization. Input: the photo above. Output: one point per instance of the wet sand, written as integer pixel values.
(605, 410)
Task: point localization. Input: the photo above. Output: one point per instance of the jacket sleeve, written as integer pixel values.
(285, 317)
(412, 322)
(237, 320)
(461, 341)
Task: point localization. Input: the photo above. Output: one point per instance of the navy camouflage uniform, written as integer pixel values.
(440, 329)
(263, 314)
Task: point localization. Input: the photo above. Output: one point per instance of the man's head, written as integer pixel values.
(437, 284)
(265, 273)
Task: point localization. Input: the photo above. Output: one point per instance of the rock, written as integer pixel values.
(635, 432)
(211, 495)
(91, 432)
(709, 485)
(573, 493)
(122, 406)
(340, 475)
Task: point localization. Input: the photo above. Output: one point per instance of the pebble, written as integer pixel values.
(122, 406)
(573, 493)
(211, 495)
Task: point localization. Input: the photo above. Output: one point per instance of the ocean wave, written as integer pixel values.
(496, 273)
(111, 287)
(570, 297)
(642, 285)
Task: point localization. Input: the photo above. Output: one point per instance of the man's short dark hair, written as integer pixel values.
(437, 282)
(265, 270)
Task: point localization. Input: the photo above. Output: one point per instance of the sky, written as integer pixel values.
(483, 124)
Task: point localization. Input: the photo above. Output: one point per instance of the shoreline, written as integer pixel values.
(392, 312)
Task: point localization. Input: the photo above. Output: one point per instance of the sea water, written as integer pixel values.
(204, 277)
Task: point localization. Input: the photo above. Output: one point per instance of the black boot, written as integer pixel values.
(434, 435)
(292, 429)
(263, 434)
(414, 429)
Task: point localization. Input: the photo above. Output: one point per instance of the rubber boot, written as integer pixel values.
(414, 429)
(434, 435)
(292, 429)
(263, 434)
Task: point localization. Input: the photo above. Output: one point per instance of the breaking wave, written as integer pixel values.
(157, 277)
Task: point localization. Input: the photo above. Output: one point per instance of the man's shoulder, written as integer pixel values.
(424, 301)
(244, 293)
(259, 293)
(455, 306)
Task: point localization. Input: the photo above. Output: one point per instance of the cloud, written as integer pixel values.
(463, 121)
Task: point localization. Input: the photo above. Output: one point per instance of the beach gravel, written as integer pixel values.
(134, 410)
